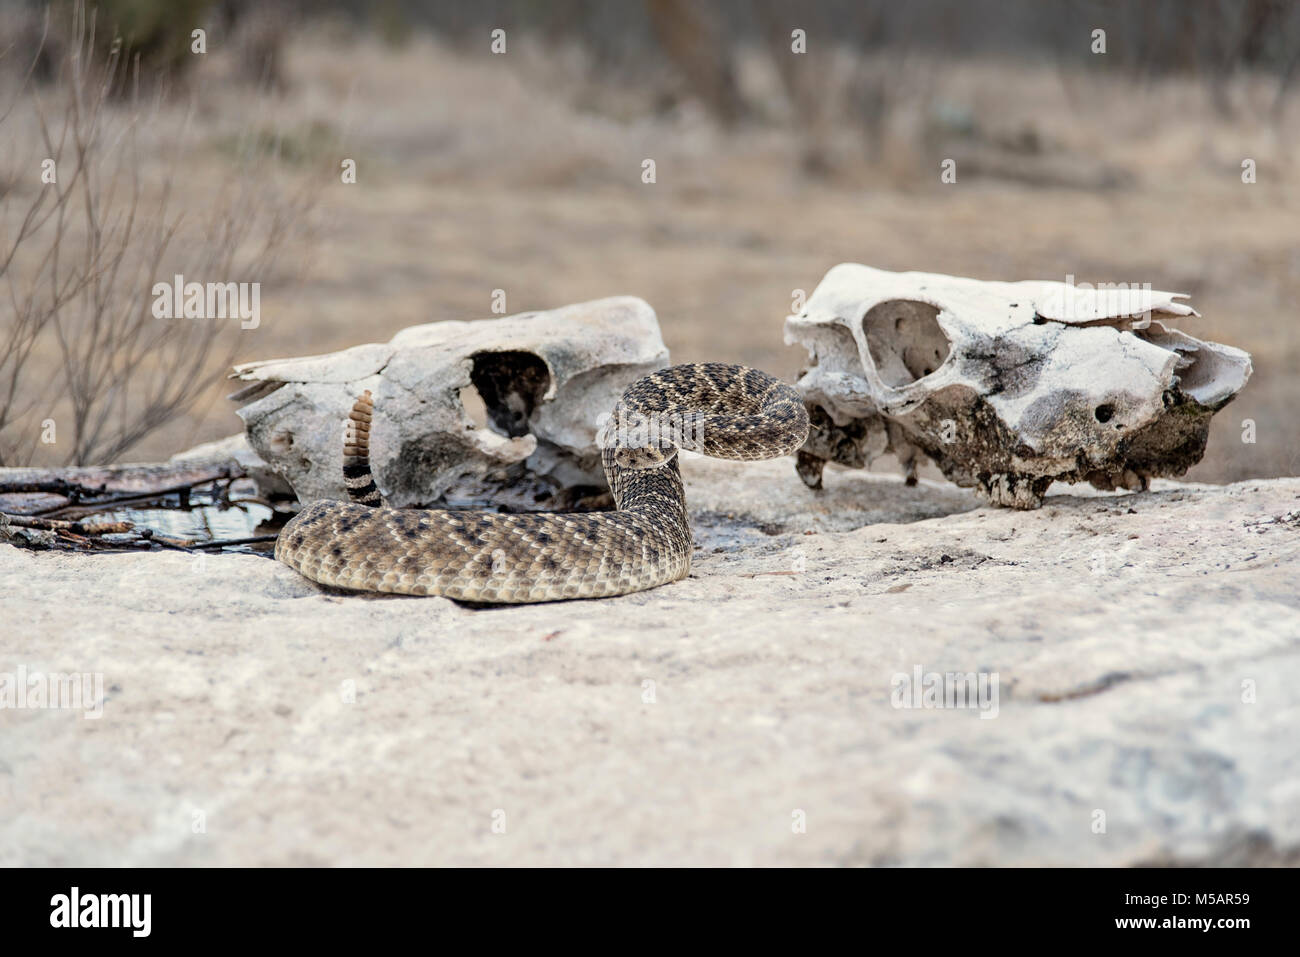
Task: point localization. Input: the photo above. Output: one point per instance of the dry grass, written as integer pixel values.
(478, 172)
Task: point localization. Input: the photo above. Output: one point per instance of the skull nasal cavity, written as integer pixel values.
(905, 340)
(511, 385)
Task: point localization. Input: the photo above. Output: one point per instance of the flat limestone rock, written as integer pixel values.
(1146, 648)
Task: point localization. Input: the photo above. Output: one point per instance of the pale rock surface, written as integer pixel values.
(1123, 630)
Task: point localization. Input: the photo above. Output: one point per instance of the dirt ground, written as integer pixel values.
(478, 173)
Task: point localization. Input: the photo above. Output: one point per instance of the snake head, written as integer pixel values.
(638, 440)
(645, 457)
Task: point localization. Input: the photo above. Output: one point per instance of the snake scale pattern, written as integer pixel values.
(726, 411)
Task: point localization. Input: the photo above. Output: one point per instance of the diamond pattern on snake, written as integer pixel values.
(725, 411)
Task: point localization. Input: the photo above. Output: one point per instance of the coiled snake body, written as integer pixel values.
(726, 411)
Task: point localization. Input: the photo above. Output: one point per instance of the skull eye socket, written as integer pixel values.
(1104, 412)
(510, 386)
(905, 340)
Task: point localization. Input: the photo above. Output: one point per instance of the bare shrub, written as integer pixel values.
(93, 212)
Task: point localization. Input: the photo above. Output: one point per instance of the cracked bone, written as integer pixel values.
(546, 379)
(1007, 386)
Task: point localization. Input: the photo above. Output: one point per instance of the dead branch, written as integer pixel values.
(79, 254)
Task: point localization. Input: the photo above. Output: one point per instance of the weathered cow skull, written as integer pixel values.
(544, 378)
(1007, 386)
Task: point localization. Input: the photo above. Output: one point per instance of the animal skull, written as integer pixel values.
(545, 379)
(1007, 386)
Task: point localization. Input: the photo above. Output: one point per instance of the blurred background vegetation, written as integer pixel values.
(522, 170)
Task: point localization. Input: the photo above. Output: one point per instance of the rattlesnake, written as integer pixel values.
(726, 411)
